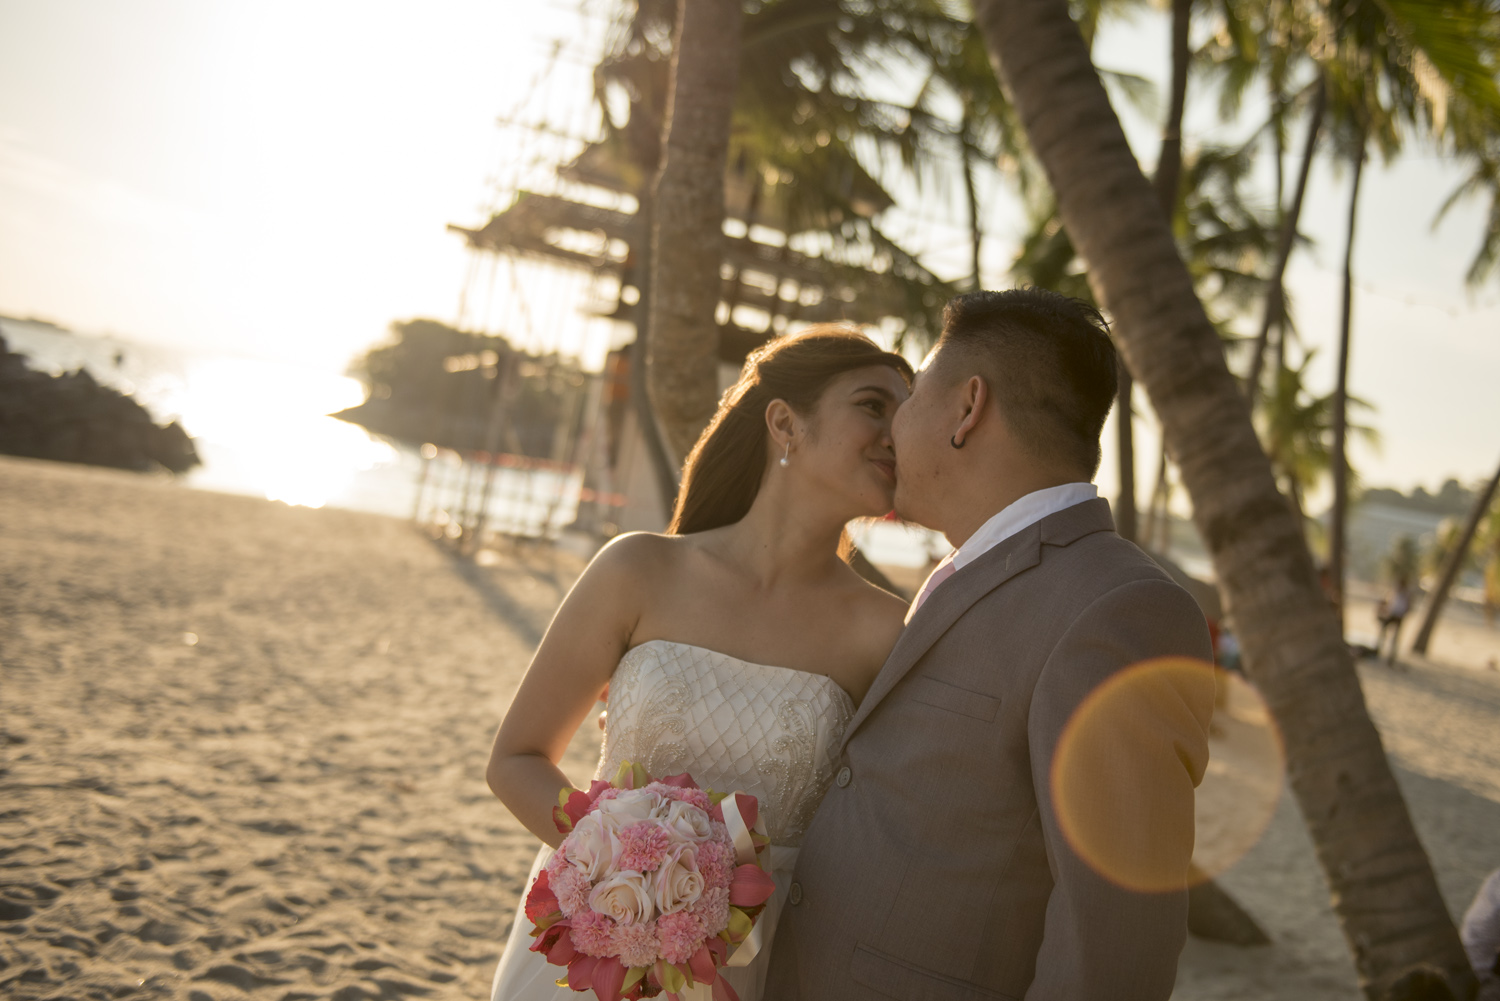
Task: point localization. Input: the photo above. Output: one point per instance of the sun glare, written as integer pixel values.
(267, 425)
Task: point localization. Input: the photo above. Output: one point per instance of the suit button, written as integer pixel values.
(843, 777)
(795, 894)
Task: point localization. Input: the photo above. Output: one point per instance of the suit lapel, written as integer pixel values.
(944, 606)
(958, 594)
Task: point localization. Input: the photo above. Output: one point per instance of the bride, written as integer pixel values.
(735, 646)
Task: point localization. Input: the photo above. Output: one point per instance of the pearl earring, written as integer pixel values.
(784, 461)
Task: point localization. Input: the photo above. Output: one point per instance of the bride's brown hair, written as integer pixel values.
(723, 472)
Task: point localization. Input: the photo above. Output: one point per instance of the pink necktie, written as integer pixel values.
(944, 570)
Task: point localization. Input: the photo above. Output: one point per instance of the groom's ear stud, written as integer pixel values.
(956, 443)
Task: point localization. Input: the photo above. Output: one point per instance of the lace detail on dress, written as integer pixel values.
(769, 731)
(660, 701)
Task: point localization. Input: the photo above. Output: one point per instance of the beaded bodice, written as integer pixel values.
(768, 731)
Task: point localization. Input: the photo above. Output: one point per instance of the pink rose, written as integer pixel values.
(624, 897)
(591, 847)
(631, 806)
(688, 822)
(679, 884)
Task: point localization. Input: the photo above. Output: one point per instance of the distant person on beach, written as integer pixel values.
(1391, 613)
(1481, 935)
(1227, 651)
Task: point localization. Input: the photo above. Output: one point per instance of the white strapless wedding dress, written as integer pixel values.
(768, 731)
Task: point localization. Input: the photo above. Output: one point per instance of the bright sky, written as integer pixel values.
(270, 178)
(273, 179)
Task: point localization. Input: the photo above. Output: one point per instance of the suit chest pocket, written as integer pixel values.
(941, 695)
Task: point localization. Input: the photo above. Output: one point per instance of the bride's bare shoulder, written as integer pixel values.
(637, 556)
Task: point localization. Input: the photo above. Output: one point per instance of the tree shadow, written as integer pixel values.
(528, 619)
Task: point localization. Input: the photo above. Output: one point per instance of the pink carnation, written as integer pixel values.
(593, 933)
(643, 846)
(679, 934)
(698, 798)
(635, 944)
(572, 887)
(612, 792)
(712, 909)
(716, 863)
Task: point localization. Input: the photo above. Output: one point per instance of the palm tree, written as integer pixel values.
(1484, 176)
(1488, 546)
(1167, 181)
(1454, 563)
(1274, 313)
(688, 220)
(807, 139)
(1273, 38)
(1225, 239)
(1400, 66)
(1385, 894)
(1300, 432)
(1339, 461)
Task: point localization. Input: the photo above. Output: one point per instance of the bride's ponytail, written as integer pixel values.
(723, 472)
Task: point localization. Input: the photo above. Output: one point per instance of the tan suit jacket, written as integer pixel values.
(936, 869)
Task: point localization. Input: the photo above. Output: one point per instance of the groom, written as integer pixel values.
(975, 845)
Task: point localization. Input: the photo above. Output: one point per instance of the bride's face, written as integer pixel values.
(844, 450)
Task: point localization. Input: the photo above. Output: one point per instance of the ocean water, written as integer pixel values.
(262, 428)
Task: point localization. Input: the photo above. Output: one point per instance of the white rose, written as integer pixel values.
(625, 897)
(678, 882)
(630, 807)
(592, 846)
(688, 822)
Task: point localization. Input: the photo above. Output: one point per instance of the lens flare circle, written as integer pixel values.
(1244, 781)
(1120, 800)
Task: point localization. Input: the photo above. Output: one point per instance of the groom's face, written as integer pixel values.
(920, 435)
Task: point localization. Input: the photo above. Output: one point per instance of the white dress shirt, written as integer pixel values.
(1015, 517)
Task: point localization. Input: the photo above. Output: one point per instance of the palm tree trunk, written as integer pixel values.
(1452, 564)
(1169, 160)
(663, 466)
(1275, 294)
(1125, 511)
(688, 232)
(1156, 512)
(1383, 887)
(1340, 457)
(976, 236)
(1167, 181)
(1278, 330)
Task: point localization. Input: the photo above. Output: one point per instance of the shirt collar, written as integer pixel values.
(1021, 514)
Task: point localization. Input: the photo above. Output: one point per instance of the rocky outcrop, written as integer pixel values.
(72, 418)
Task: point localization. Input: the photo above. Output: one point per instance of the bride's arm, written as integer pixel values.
(587, 637)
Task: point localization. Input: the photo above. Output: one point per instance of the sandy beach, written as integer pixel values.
(243, 749)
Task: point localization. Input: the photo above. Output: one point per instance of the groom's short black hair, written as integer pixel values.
(1052, 364)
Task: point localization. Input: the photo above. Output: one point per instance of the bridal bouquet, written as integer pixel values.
(654, 884)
